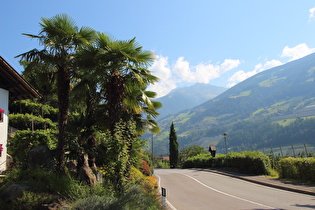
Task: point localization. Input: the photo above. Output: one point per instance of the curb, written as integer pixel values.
(288, 188)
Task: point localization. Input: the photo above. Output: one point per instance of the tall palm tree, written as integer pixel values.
(120, 70)
(60, 38)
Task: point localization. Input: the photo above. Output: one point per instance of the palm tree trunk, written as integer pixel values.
(63, 80)
(89, 122)
(115, 93)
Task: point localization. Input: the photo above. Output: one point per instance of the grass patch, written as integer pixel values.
(270, 82)
(258, 111)
(244, 93)
(285, 122)
(209, 119)
(278, 104)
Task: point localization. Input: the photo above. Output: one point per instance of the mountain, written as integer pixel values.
(257, 113)
(187, 97)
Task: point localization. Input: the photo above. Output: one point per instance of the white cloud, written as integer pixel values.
(268, 65)
(163, 72)
(160, 68)
(241, 75)
(297, 52)
(312, 13)
(182, 71)
(202, 73)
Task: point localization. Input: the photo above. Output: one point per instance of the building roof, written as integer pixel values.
(18, 87)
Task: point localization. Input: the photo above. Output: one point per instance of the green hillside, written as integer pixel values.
(249, 110)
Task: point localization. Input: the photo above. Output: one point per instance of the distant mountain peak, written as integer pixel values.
(187, 97)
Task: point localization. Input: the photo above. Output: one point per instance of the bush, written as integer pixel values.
(46, 187)
(135, 176)
(198, 161)
(145, 168)
(31, 200)
(134, 198)
(297, 168)
(218, 161)
(251, 162)
(246, 162)
(162, 164)
(148, 183)
(45, 181)
(25, 140)
(95, 202)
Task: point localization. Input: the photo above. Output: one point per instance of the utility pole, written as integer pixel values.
(152, 152)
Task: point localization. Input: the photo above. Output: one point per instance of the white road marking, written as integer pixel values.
(227, 194)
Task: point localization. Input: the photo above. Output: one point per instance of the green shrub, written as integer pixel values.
(45, 181)
(31, 200)
(235, 160)
(251, 162)
(134, 198)
(25, 140)
(162, 164)
(297, 168)
(95, 202)
(256, 163)
(216, 162)
(198, 161)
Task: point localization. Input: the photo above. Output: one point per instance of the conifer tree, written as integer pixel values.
(173, 147)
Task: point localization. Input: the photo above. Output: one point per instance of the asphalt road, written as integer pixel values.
(197, 190)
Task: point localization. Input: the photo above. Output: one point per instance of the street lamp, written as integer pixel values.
(224, 135)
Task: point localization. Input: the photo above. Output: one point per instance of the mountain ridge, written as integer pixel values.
(282, 92)
(183, 98)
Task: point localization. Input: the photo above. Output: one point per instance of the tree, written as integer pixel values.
(173, 147)
(142, 109)
(119, 69)
(194, 150)
(42, 76)
(60, 38)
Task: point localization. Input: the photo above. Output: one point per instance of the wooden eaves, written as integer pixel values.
(18, 87)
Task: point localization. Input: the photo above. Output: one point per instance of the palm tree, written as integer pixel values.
(120, 70)
(85, 100)
(43, 77)
(60, 38)
(142, 109)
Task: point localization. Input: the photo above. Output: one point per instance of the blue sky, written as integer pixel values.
(206, 41)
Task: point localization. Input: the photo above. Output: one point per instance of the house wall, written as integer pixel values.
(4, 103)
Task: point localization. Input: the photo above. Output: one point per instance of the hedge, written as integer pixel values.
(297, 168)
(250, 162)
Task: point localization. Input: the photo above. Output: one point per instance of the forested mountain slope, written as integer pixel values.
(273, 98)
